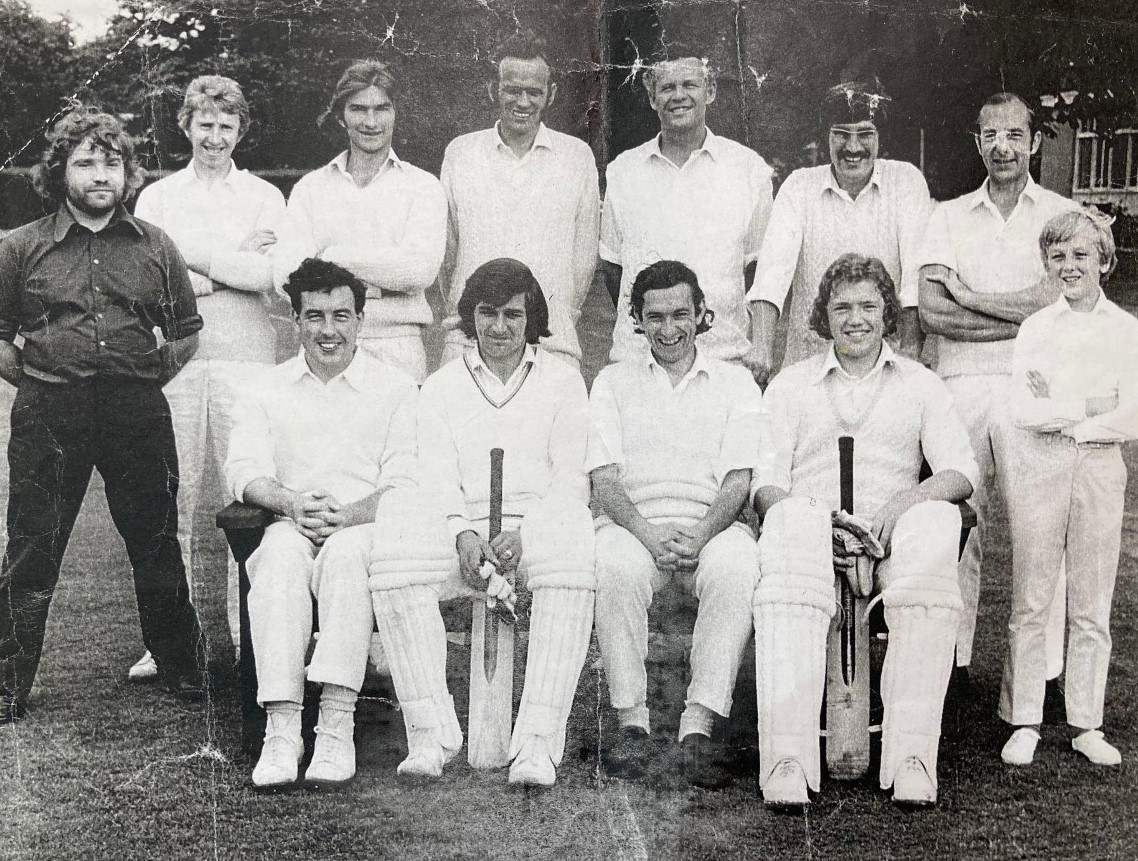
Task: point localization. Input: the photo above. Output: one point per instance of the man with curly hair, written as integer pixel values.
(903, 544)
(670, 456)
(107, 314)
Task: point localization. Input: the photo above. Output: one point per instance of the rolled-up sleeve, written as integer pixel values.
(916, 206)
(739, 447)
(611, 242)
(567, 444)
(250, 453)
(944, 440)
(781, 246)
(777, 439)
(398, 466)
(438, 458)
(605, 434)
(937, 248)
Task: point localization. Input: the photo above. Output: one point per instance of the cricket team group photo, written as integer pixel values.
(524, 401)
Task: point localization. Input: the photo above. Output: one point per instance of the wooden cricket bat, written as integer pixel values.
(491, 662)
(847, 663)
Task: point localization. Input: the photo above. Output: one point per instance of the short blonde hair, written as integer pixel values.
(214, 93)
(1063, 227)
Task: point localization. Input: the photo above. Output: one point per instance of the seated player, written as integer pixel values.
(1074, 399)
(898, 412)
(503, 393)
(318, 440)
(670, 456)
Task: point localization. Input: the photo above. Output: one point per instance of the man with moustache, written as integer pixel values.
(981, 276)
(376, 215)
(524, 191)
(223, 221)
(899, 414)
(672, 446)
(857, 202)
(319, 440)
(106, 311)
(687, 195)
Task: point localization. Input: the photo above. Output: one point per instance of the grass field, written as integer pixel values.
(107, 770)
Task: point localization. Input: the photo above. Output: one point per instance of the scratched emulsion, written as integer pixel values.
(772, 61)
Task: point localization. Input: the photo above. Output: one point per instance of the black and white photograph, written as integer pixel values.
(638, 430)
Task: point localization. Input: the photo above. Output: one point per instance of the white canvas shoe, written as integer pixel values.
(533, 766)
(334, 757)
(425, 755)
(280, 756)
(1020, 748)
(1097, 749)
(145, 669)
(912, 784)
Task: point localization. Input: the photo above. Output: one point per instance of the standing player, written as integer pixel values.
(898, 412)
(88, 289)
(524, 191)
(318, 440)
(379, 217)
(670, 457)
(858, 202)
(223, 221)
(686, 195)
(980, 277)
(504, 393)
(1074, 399)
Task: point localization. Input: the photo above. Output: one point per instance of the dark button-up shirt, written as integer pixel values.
(87, 304)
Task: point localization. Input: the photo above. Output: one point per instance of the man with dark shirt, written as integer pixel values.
(107, 315)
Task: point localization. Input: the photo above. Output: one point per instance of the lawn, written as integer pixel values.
(105, 769)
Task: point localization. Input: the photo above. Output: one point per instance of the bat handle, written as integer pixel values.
(845, 472)
(496, 458)
(845, 475)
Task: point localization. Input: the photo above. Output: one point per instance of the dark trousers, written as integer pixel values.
(59, 433)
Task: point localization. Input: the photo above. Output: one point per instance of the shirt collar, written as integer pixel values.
(64, 221)
(340, 163)
(189, 175)
(355, 374)
(981, 196)
(699, 366)
(830, 183)
(544, 138)
(529, 357)
(712, 145)
(831, 363)
(1103, 307)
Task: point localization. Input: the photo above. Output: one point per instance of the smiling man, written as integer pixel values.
(506, 392)
(981, 276)
(687, 195)
(107, 315)
(318, 440)
(524, 191)
(670, 456)
(223, 221)
(379, 217)
(898, 412)
(858, 202)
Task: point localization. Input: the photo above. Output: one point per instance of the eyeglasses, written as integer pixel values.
(1016, 139)
(865, 137)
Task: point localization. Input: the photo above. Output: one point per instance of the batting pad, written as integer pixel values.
(412, 544)
(793, 605)
(561, 623)
(922, 609)
(414, 639)
(558, 545)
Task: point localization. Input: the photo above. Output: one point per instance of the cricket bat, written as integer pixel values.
(491, 662)
(847, 663)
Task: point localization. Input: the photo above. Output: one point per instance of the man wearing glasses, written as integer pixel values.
(857, 203)
(981, 275)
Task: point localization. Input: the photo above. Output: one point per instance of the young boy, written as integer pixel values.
(1074, 399)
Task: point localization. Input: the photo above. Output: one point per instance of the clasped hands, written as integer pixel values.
(674, 548)
(317, 514)
(491, 566)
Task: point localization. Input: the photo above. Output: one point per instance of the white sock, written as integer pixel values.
(696, 719)
(338, 698)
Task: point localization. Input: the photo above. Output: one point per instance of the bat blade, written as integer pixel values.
(491, 661)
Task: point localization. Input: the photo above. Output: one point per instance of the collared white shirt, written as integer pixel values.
(496, 391)
(1081, 355)
(990, 255)
(709, 214)
(221, 216)
(814, 221)
(542, 209)
(542, 428)
(350, 436)
(390, 233)
(674, 444)
(899, 414)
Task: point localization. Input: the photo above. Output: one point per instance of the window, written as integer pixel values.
(1106, 165)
